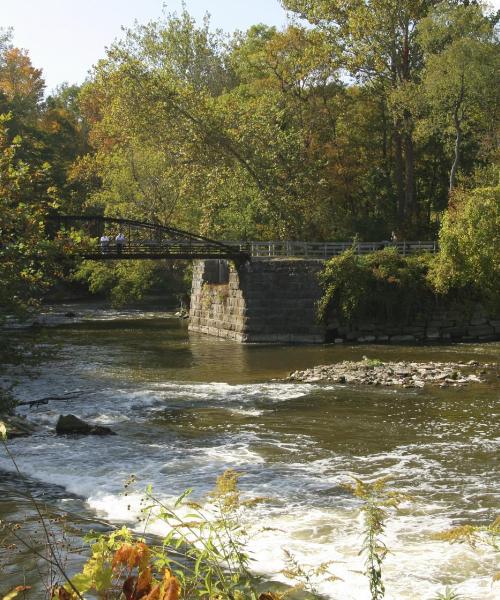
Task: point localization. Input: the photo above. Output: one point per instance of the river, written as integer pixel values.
(186, 407)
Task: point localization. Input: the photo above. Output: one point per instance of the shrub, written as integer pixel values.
(470, 244)
(382, 285)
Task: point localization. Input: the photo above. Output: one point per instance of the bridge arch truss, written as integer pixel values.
(142, 240)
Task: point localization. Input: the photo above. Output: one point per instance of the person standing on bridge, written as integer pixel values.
(104, 243)
(120, 242)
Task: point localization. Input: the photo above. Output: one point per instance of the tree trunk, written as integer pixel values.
(410, 196)
(458, 132)
(398, 173)
(458, 141)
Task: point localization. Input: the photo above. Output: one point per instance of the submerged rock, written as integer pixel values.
(71, 425)
(17, 426)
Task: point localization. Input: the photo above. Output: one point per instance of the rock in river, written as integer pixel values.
(405, 374)
(71, 425)
(17, 426)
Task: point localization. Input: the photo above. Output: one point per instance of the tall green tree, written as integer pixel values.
(380, 47)
(35, 159)
(461, 80)
(27, 257)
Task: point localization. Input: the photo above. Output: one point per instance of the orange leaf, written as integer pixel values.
(144, 581)
(122, 555)
(154, 594)
(62, 593)
(142, 555)
(171, 587)
(136, 555)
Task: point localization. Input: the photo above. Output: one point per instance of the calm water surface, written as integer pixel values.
(186, 407)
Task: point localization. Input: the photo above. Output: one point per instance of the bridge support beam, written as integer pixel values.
(262, 301)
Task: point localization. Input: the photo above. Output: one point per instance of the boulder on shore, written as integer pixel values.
(71, 425)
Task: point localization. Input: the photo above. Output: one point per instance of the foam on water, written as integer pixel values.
(165, 438)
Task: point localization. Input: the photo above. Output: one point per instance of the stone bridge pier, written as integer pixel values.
(266, 300)
(274, 300)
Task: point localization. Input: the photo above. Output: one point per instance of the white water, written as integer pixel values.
(177, 434)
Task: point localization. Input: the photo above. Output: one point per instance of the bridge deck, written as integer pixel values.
(154, 241)
(323, 250)
(238, 250)
(164, 250)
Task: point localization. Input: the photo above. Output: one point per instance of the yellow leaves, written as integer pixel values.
(3, 431)
(472, 534)
(463, 533)
(226, 489)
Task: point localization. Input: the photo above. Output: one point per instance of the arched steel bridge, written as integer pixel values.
(142, 240)
(152, 241)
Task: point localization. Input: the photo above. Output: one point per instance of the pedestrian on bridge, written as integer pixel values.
(120, 243)
(104, 243)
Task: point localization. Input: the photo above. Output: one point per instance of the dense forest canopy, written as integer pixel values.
(358, 119)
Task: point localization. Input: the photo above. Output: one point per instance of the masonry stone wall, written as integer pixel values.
(275, 301)
(259, 301)
(456, 324)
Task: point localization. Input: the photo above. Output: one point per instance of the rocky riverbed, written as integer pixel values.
(405, 374)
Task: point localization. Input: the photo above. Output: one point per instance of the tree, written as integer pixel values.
(21, 83)
(27, 258)
(63, 131)
(461, 79)
(35, 156)
(379, 45)
(470, 243)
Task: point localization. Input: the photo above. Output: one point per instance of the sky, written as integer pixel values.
(66, 37)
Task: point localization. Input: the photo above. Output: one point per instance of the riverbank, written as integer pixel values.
(403, 373)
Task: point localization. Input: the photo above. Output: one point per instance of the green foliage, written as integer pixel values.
(372, 362)
(27, 258)
(448, 594)
(202, 556)
(259, 134)
(121, 281)
(460, 81)
(37, 144)
(383, 284)
(377, 501)
(470, 244)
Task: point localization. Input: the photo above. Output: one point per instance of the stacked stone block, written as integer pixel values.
(274, 301)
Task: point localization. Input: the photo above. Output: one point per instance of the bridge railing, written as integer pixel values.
(155, 248)
(273, 249)
(322, 250)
